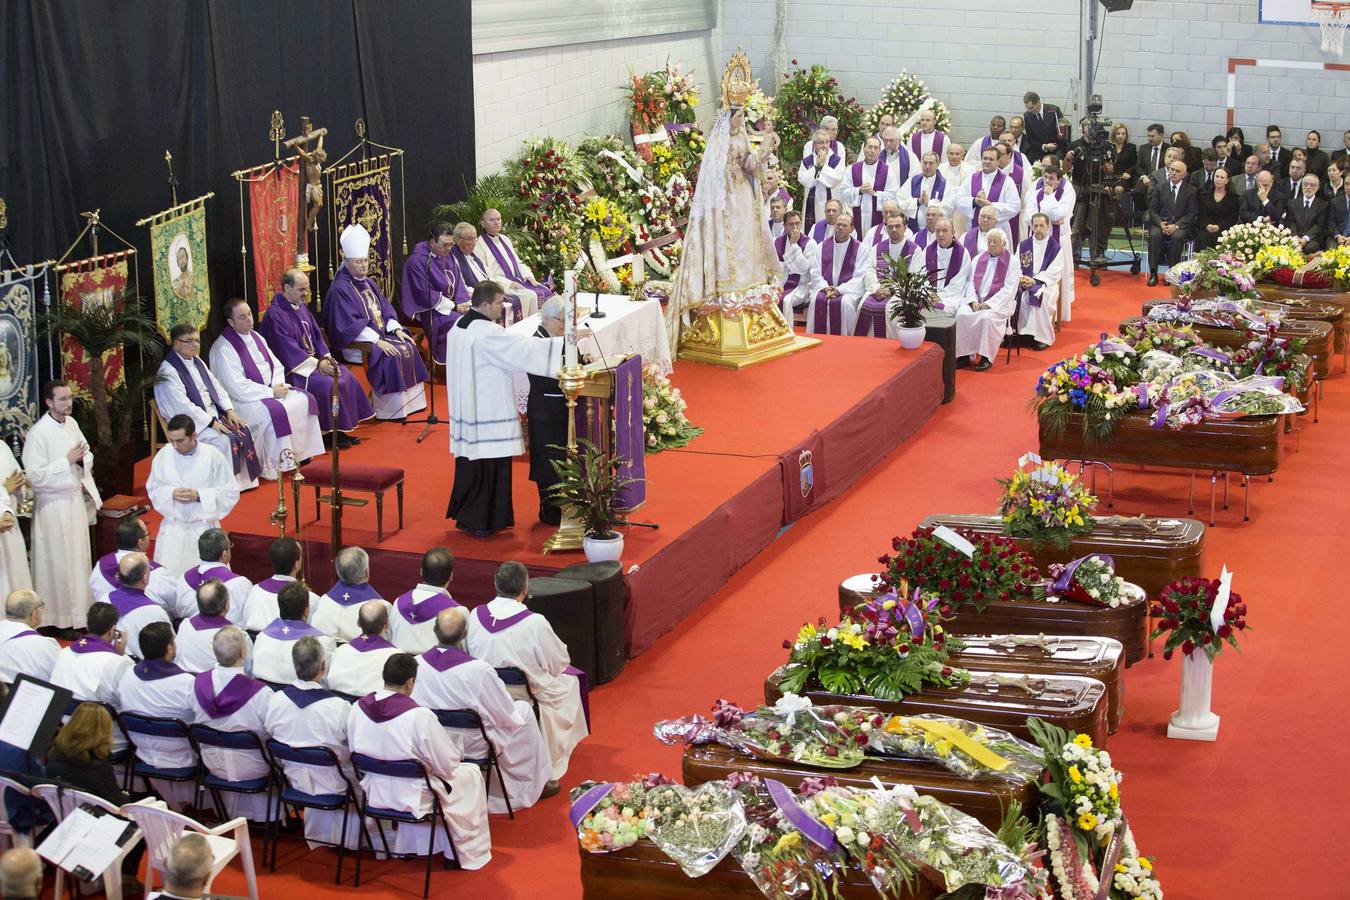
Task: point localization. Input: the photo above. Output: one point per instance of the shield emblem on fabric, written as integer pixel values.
(805, 476)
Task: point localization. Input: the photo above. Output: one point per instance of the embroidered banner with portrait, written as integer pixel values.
(19, 298)
(275, 203)
(361, 196)
(99, 279)
(182, 291)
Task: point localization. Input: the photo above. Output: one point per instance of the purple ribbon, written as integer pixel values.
(678, 126)
(814, 830)
(418, 611)
(229, 701)
(1106, 345)
(196, 576)
(368, 642)
(914, 618)
(391, 707)
(443, 659)
(1141, 391)
(1210, 353)
(1062, 584)
(1160, 417)
(582, 806)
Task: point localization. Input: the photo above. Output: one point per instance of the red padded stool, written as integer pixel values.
(362, 479)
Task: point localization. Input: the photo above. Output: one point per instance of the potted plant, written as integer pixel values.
(911, 295)
(588, 489)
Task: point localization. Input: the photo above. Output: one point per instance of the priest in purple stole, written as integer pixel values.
(987, 186)
(926, 189)
(1011, 164)
(867, 184)
(498, 255)
(1038, 288)
(295, 337)
(433, 292)
(820, 175)
(227, 699)
(795, 253)
(895, 154)
(929, 230)
(357, 310)
(982, 318)
(927, 139)
(473, 271)
(839, 288)
(825, 227)
(946, 264)
(892, 251)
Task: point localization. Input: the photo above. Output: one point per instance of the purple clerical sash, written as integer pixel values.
(812, 197)
(290, 630)
(878, 185)
(368, 642)
(206, 623)
(391, 707)
(344, 594)
(829, 317)
(510, 265)
(899, 159)
(107, 567)
(274, 584)
(190, 384)
(938, 191)
(281, 423)
(1016, 221)
(780, 244)
(303, 697)
(1026, 252)
(884, 258)
(243, 455)
(495, 625)
(197, 576)
(954, 263)
(995, 187)
(127, 599)
(233, 697)
(872, 311)
(442, 659)
(418, 611)
(92, 645)
(820, 230)
(921, 238)
(156, 669)
(1000, 274)
(971, 241)
(916, 144)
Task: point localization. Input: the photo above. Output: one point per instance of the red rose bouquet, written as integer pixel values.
(1184, 613)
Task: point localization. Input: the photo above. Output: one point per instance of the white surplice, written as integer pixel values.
(195, 652)
(414, 637)
(955, 176)
(529, 300)
(819, 186)
(172, 399)
(64, 508)
(237, 765)
(531, 646)
(917, 211)
(799, 262)
(982, 331)
(25, 652)
(90, 676)
(853, 196)
(306, 438)
(185, 603)
(334, 617)
(850, 291)
(272, 659)
(206, 472)
(319, 723)
(261, 606)
(163, 586)
(894, 253)
(1039, 321)
(1007, 203)
(358, 668)
(1060, 211)
(133, 621)
(14, 573)
(950, 292)
(167, 698)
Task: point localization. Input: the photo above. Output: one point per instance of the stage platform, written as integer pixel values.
(717, 502)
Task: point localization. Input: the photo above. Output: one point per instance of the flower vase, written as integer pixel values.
(1195, 721)
(910, 338)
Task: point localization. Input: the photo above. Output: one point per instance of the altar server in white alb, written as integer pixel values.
(1054, 195)
(1038, 286)
(192, 487)
(388, 724)
(449, 678)
(820, 175)
(946, 264)
(357, 667)
(794, 252)
(336, 612)
(867, 184)
(990, 187)
(14, 572)
(982, 318)
(58, 463)
(280, 417)
(133, 536)
(503, 633)
(839, 262)
(22, 649)
(480, 360)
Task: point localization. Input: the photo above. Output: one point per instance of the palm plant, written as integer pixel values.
(589, 482)
(490, 192)
(911, 292)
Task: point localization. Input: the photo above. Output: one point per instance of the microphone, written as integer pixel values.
(596, 335)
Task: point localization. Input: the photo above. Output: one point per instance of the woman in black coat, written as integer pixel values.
(1218, 211)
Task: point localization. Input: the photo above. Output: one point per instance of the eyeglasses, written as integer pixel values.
(188, 340)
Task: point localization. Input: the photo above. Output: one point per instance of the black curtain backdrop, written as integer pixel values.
(96, 90)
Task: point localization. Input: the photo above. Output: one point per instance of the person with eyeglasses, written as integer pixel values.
(22, 650)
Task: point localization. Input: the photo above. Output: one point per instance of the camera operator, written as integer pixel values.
(1091, 162)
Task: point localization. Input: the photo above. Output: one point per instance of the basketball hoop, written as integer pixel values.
(1332, 17)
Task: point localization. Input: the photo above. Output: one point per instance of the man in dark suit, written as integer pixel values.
(1280, 157)
(1317, 157)
(1042, 126)
(1306, 216)
(1226, 158)
(1245, 180)
(1262, 201)
(546, 412)
(1338, 218)
(1202, 179)
(1152, 157)
(1345, 150)
(1172, 210)
(1292, 184)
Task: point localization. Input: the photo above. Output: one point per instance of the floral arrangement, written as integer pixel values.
(547, 172)
(1047, 505)
(614, 171)
(804, 98)
(697, 828)
(961, 747)
(1133, 878)
(665, 162)
(1245, 240)
(648, 102)
(759, 111)
(1213, 271)
(607, 222)
(902, 98)
(1276, 256)
(997, 569)
(1170, 337)
(1092, 579)
(832, 737)
(1183, 613)
(618, 819)
(680, 91)
(1266, 353)
(688, 144)
(779, 859)
(1116, 357)
(1077, 385)
(663, 413)
(1336, 263)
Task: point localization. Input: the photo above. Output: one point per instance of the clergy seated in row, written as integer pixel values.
(272, 646)
(214, 551)
(896, 155)
(946, 264)
(295, 337)
(1054, 196)
(504, 633)
(227, 699)
(191, 486)
(927, 139)
(412, 622)
(186, 387)
(389, 724)
(824, 227)
(135, 609)
(990, 187)
(840, 264)
(976, 240)
(991, 293)
(335, 613)
(925, 234)
(280, 417)
(91, 667)
(357, 310)
(261, 608)
(432, 288)
(22, 650)
(926, 189)
(496, 251)
(197, 633)
(449, 678)
(14, 570)
(159, 686)
(1038, 286)
(475, 271)
(891, 251)
(356, 667)
(874, 234)
(133, 536)
(794, 252)
(820, 174)
(866, 185)
(956, 170)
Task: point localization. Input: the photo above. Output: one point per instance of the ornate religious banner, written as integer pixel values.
(178, 248)
(361, 196)
(19, 294)
(274, 200)
(99, 279)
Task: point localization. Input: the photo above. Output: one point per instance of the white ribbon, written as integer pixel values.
(954, 540)
(903, 794)
(909, 124)
(1221, 599)
(623, 163)
(659, 137)
(789, 705)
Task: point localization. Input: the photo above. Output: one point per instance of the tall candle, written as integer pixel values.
(570, 320)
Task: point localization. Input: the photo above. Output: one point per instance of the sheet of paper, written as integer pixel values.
(26, 710)
(954, 540)
(66, 837)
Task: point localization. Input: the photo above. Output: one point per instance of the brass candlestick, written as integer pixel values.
(279, 514)
(571, 532)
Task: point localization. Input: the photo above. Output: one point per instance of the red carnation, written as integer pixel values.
(787, 645)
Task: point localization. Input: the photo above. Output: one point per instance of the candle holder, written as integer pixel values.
(571, 532)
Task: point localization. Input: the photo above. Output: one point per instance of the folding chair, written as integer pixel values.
(10, 836)
(469, 720)
(1010, 335)
(318, 757)
(153, 726)
(162, 827)
(516, 684)
(63, 800)
(206, 736)
(410, 770)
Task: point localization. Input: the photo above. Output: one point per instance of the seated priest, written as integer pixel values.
(91, 667)
(306, 714)
(449, 678)
(157, 686)
(1038, 286)
(988, 186)
(1055, 197)
(825, 227)
(281, 418)
(272, 648)
(946, 264)
(794, 251)
(840, 263)
(976, 240)
(498, 255)
(982, 317)
(356, 310)
(820, 175)
(388, 724)
(295, 337)
(135, 610)
(335, 612)
(192, 487)
(262, 608)
(876, 233)
(433, 292)
(504, 633)
(474, 272)
(926, 188)
(413, 620)
(185, 387)
(227, 699)
(866, 185)
(197, 634)
(891, 251)
(356, 668)
(214, 549)
(133, 536)
(22, 649)
(928, 232)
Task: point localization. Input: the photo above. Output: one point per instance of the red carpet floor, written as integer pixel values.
(1235, 819)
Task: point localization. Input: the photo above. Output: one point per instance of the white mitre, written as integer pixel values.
(355, 242)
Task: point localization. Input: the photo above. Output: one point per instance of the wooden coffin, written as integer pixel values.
(1069, 701)
(1148, 552)
(643, 871)
(1250, 445)
(984, 798)
(1318, 334)
(1037, 654)
(1296, 298)
(1127, 624)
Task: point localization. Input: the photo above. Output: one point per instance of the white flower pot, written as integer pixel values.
(602, 549)
(910, 338)
(1195, 721)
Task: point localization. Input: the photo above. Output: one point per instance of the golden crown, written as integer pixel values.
(737, 82)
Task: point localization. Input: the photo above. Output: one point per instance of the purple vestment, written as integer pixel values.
(879, 185)
(354, 304)
(1026, 252)
(427, 280)
(294, 337)
(780, 244)
(829, 315)
(510, 265)
(243, 455)
(471, 269)
(1000, 274)
(916, 188)
(872, 311)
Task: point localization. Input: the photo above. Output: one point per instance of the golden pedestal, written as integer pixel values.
(745, 338)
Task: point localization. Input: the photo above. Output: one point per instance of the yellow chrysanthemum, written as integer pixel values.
(787, 842)
(1114, 791)
(1075, 775)
(1145, 863)
(1083, 740)
(1087, 821)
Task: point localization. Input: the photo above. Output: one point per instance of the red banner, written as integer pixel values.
(96, 280)
(275, 200)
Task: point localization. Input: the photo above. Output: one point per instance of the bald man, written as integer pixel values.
(357, 666)
(20, 874)
(22, 649)
(187, 871)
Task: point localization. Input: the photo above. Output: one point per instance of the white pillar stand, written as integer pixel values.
(1195, 721)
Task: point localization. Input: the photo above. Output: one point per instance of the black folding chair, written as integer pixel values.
(247, 741)
(155, 726)
(409, 770)
(469, 720)
(513, 677)
(317, 757)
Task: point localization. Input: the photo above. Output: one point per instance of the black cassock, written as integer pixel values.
(546, 412)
